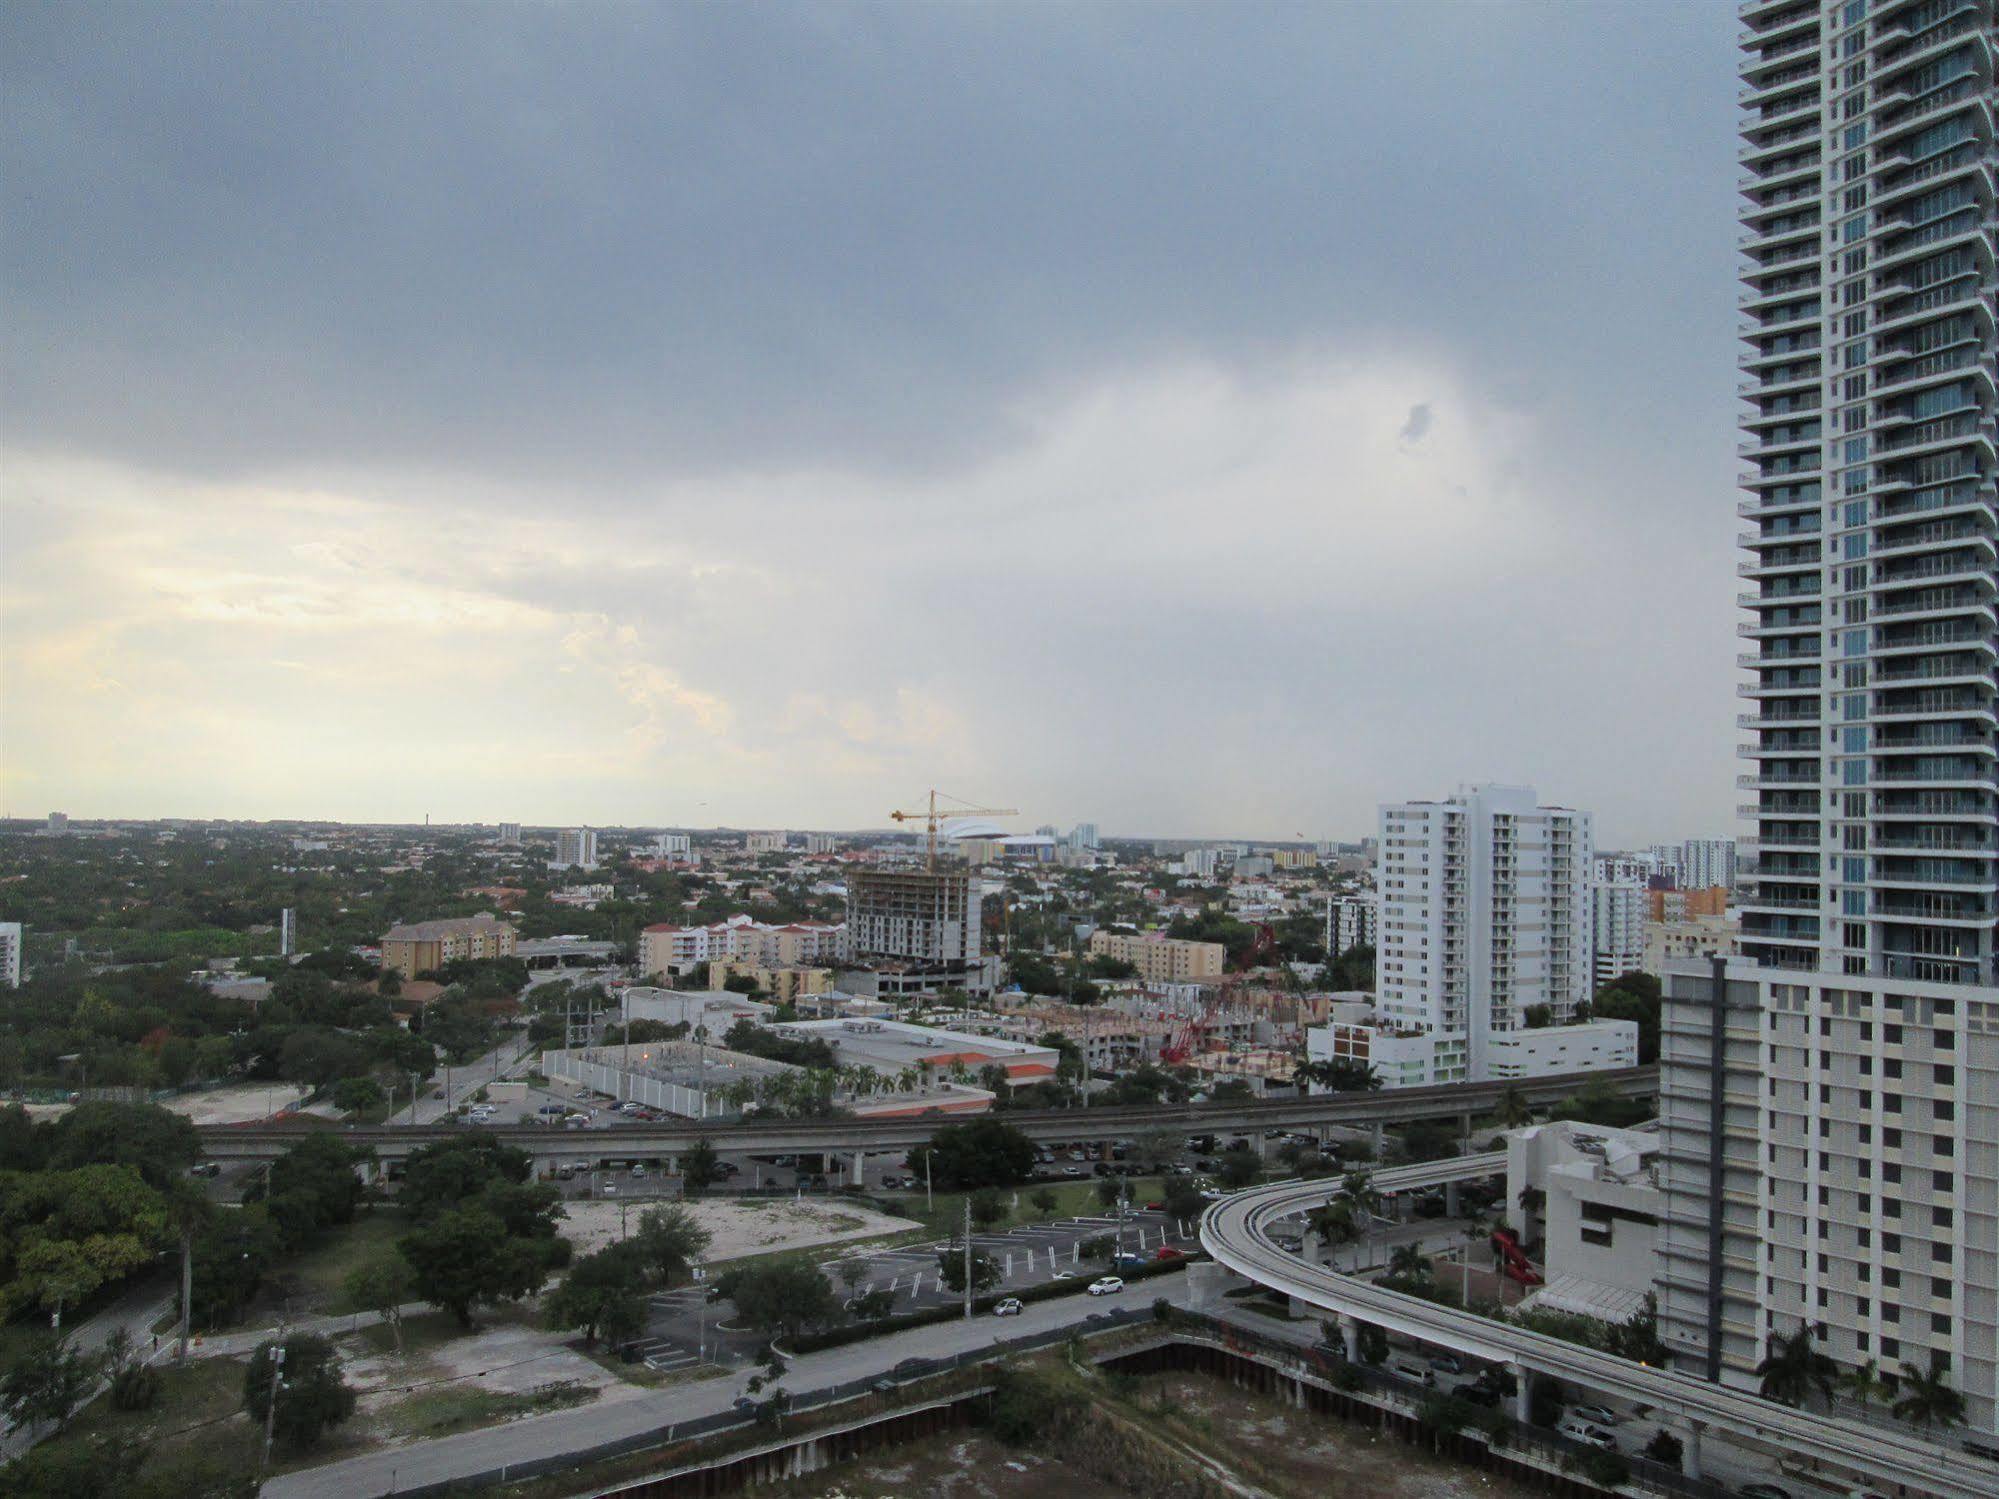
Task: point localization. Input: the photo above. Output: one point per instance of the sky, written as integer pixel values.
(1195, 420)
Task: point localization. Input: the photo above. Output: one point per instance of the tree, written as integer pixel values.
(873, 1305)
(439, 1178)
(1339, 1075)
(1239, 1166)
(355, 1095)
(1634, 997)
(1794, 1367)
(1107, 1189)
(311, 1392)
(984, 1152)
(135, 1384)
(1665, 1448)
(159, 1145)
(1868, 1385)
(669, 1241)
(700, 1168)
(1537, 1017)
(1232, 1090)
(1927, 1398)
(48, 1382)
(1044, 1202)
(1184, 1200)
(779, 1298)
(313, 1186)
(1408, 1265)
(1512, 1111)
(464, 1259)
(382, 1286)
(1358, 1188)
(988, 1208)
(951, 1270)
(1334, 1223)
(601, 1291)
(64, 1234)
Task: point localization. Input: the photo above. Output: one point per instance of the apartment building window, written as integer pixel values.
(1940, 1216)
(1939, 1322)
(1939, 1288)
(1942, 1181)
(1891, 1279)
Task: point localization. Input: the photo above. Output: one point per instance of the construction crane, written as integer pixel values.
(930, 818)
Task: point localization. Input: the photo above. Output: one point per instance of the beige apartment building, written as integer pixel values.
(421, 946)
(783, 984)
(1161, 960)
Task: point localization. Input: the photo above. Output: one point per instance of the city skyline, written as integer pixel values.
(396, 461)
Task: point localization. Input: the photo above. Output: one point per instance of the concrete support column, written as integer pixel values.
(857, 1170)
(1350, 1334)
(1450, 1199)
(1523, 1391)
(1378, 1136)
(1690, 1451)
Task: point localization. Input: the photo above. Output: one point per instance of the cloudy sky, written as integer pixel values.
(1198, 420)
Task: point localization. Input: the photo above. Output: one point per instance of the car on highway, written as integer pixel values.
(1008, 1308)
(1603, 1415)
(1106, 1285)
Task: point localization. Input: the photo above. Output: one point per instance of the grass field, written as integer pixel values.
(315, 1280)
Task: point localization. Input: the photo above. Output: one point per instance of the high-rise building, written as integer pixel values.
(1351, 921)
(823, 843)
(1707, 862)
(287, 932)
(927, 918)
(1617, 930)
(575, 848)
(1850, 1058)
(1083, 836)
(510, 834)
(10, 954)
(672, 845)
(1485, 917)
(765, 843)
(57, 826)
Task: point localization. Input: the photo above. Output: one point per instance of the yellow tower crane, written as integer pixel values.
(930, 818)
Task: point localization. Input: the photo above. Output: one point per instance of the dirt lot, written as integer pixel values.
(964, 1465)
(758, 1226)
(1298, 1453)
(244, 1104)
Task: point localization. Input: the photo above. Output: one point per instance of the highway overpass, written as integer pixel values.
(669, 1137)
(1237, 1233)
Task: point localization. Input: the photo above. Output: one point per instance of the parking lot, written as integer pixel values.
(684, 1328)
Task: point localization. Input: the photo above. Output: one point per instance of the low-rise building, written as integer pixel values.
(1592, 1199)
(1405, 1056)
(785, 985)
(1697, 938)
(1160, 959)
(895, 1049)
(669, 949)
(583, 897)
(422, 946)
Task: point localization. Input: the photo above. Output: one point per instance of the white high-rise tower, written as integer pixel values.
(1830, 1105)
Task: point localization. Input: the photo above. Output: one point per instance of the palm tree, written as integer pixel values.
(1927, 1398)
(1409, 1263)
(1793, 1368)
(1868, 1384)
(1334, 1223)
(1359, 1189)
(1512, 1110)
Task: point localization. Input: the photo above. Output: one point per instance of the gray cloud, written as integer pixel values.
(803, 290)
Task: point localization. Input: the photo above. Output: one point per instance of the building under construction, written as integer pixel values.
(914, 930)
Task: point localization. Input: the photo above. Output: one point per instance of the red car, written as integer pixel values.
(1168, 1252)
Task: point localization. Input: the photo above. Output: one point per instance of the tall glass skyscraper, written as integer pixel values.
(1868, 324)
(1830, 1104)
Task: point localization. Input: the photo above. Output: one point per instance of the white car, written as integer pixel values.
(1063, 1275)
(1008, 1308)
(1602, 1415)
(1108, 1285)
(638, 1168)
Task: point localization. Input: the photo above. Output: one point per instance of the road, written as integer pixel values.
(136, 1310)
(668, 1137)
(1237, 1232)
(472, 1453)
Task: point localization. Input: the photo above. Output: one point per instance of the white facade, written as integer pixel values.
(1485, 913)
(766, 843)
(287, 932)
(672, 845)
(1617, 931)
(1199, 863)
(575, 848)
(1083, 836)
(822, 843)
(510, 834)
(1590, 1046)
(1707, 862)
(10, 954)
(1599, 1215)
(666, 948)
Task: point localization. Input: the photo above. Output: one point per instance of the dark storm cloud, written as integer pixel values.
(621, 240)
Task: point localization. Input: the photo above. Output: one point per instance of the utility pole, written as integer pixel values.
(930, 1202)
(271, 1412)
(968, 1258)
(186, 1290)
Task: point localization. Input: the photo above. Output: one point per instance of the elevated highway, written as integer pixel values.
(1236, 1232)
(669, 1137)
